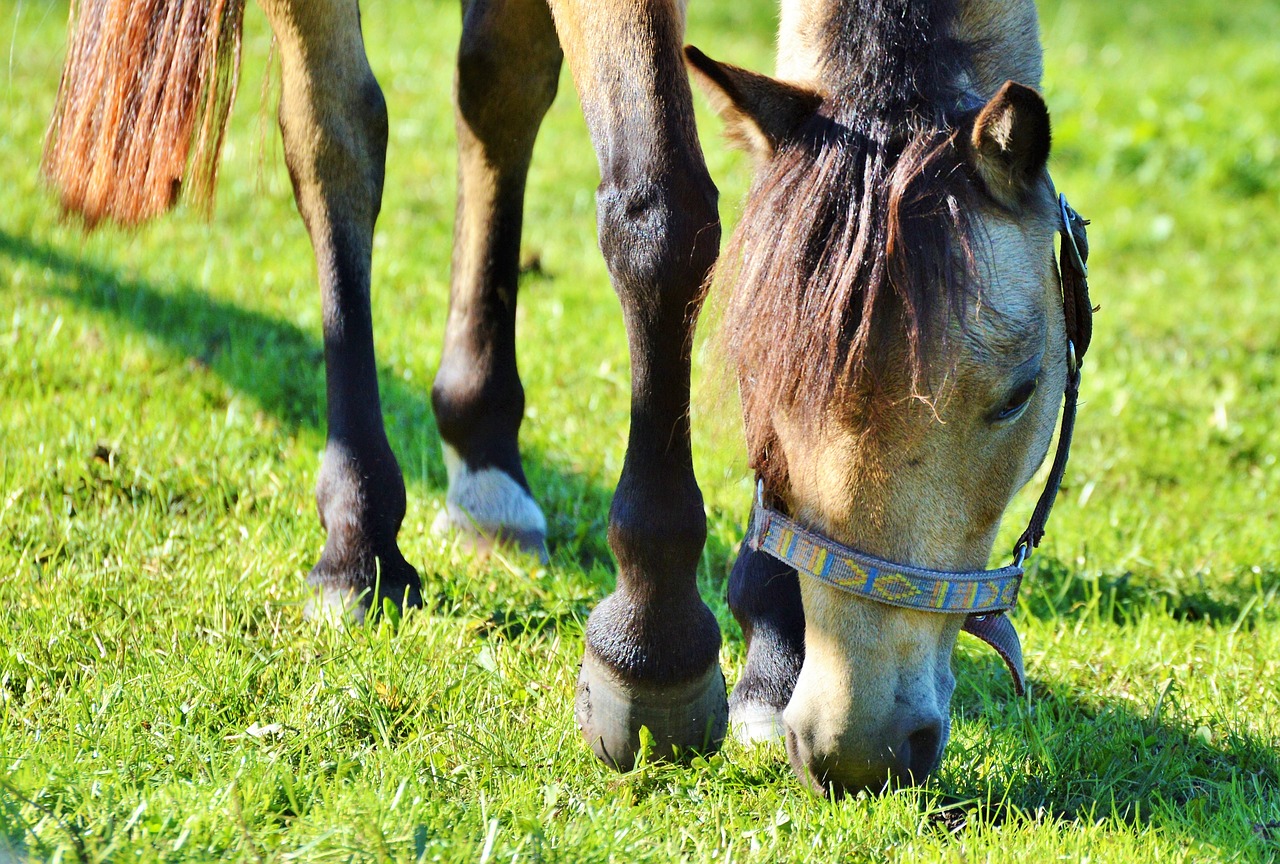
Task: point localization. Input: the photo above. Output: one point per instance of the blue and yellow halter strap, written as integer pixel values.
(845, 568)
(982, 596)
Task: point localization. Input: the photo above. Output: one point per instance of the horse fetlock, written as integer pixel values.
(680, 719)
(487, 506)
(360, 497)
(360, 492)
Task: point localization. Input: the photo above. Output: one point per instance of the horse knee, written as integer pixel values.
(372, 122)
(659, 235)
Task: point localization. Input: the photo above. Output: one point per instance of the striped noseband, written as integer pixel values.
(982, 596)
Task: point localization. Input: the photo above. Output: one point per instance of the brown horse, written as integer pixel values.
(893, 308)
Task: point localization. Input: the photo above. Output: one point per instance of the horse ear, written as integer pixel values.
(1009, 144)
(759, 112)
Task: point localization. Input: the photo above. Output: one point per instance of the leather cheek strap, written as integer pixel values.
(1078, 315)
(1074, 271)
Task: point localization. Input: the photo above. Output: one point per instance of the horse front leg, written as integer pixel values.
(652, 646)
(508, 67)
(765, 598)
(334, 122)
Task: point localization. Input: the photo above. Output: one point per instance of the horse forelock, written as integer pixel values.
(850, 255)
(853, 252)
(890, 63)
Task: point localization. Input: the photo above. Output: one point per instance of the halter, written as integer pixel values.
(983, 596)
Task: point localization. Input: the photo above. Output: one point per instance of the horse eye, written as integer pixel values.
(1018, 400)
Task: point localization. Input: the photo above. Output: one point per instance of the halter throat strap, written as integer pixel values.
(982, 596)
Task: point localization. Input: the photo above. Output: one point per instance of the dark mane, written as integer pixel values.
(893, 65)
(856, 228)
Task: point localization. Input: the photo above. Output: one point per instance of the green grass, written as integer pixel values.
(161, 423)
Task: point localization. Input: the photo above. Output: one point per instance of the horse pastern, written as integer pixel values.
(486, 506)
(356, 588)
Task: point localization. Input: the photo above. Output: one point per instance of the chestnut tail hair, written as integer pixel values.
(146, 92)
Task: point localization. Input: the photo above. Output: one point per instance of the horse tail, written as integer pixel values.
(142, 109)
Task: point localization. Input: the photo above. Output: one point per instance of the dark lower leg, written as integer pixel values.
(652, 653)
(508, 65)
(360, 493)
(652, 646)
(334, 122)
(764, 595)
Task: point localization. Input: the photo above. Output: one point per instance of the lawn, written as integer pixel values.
(161, 420)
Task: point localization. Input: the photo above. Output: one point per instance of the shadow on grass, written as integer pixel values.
(1240, 601)
(281, 368)
(13, 829)
(1084, 760)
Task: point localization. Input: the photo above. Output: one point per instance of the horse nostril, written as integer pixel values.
(922, 745)
(834, 774)
(798, 756)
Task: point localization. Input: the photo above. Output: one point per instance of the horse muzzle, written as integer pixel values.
(834, 754)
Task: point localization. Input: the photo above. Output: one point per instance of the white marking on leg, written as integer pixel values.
(488, 501)
(757, 724)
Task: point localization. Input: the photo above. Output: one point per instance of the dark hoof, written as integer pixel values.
(335, 598)
(684, 719)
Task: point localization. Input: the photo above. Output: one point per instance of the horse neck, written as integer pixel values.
(1003, 35)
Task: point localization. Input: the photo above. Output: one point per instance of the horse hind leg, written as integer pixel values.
(508, 66)
(334, 122)
(652, 653)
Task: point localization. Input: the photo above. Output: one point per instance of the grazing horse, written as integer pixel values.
(891, 299)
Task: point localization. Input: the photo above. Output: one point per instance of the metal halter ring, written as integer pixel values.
(1069, 219)
(1021, 553)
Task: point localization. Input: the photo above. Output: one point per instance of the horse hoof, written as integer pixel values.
(331, 601)
(683, 719)
(486, 507)
(335, 606)
(756, 724)
(481, 540)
